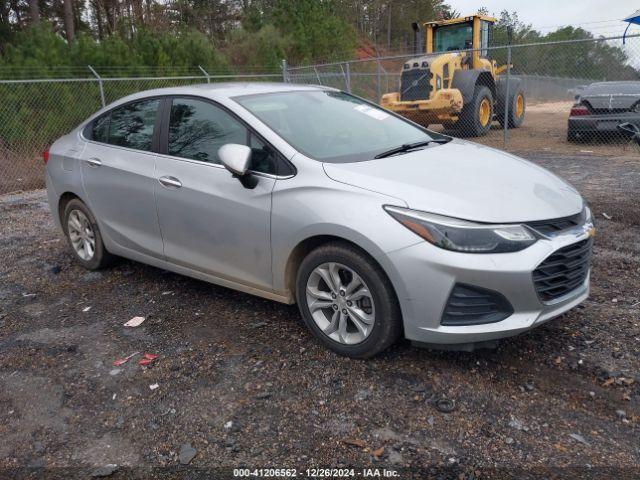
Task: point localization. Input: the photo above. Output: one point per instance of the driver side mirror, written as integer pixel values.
(235, 158)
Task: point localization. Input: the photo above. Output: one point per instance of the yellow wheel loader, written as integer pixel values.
(462, 90)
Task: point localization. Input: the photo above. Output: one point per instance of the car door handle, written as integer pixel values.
(170, 182)
(93, 162)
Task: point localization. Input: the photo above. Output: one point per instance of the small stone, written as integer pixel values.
(56, 269)
(92, 276)
(105, 471)
(37, 463)
(395, 457)
(621, 414)
(187, 452)
(516, 424)
(263, 395)
(115, 371)
(508, 440)
(578, 438)
(362, 395)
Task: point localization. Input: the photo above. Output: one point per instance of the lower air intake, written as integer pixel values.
(470, 305)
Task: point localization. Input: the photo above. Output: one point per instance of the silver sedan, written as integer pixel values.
(376, 227)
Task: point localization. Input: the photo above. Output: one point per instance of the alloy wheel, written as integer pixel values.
(81, 234)
(340, 303)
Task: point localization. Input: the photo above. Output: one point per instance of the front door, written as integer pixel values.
(210, 221)
(118, 168)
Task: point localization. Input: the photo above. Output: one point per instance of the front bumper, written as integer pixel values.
(601, 123)
(424, 276)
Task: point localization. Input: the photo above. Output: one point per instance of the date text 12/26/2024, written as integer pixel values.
(315, 473)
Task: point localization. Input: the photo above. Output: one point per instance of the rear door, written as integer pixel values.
(118, 166)
(210, 221)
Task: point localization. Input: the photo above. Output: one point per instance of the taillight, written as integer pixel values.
(579, 111)
(45, 156)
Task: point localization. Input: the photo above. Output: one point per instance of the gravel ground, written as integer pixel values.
(240, 382)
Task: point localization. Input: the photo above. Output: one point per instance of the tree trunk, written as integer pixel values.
(34, 9)
(69, 26)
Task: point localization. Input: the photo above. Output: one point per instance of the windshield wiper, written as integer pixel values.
(410, 146)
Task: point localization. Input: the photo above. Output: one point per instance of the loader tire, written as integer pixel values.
(477, 115)
(517, 108)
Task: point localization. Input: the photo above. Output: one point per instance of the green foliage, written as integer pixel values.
(39, 47)
(316, 30)
(594, 60)
(264, 48)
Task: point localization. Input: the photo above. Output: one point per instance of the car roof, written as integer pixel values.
(223, 90)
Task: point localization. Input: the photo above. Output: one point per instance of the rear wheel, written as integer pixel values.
(83, 235)
(347, 301)
(516, 111)
(476, 116)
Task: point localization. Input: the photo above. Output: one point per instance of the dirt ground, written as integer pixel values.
(242, 383)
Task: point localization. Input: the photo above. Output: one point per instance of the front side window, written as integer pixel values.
(332, 126)
(197, 130)
(132, 125)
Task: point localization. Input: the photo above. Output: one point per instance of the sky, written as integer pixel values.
(601, 17)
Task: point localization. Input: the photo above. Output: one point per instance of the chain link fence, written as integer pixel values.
(575, 95)
(36, 111)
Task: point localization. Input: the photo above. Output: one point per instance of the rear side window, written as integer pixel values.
(100, 129)
(132, 125)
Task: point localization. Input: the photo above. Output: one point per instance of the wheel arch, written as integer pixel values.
(64, 200)
(310, 243)
(467, 80)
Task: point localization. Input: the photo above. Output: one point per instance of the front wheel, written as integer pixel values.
(347, 301)
(476, 116)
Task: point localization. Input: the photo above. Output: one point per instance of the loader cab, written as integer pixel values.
(465, 33)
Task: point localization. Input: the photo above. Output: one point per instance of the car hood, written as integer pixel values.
(465, 180)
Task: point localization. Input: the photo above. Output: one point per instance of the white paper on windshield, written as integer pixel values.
(372, 112)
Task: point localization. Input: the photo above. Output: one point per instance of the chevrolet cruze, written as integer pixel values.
(377, 228)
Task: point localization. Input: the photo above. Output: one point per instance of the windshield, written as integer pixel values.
(332, 126)
(453, 37)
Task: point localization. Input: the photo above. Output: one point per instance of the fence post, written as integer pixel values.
(285, 76)
(505, 139)
(99, 85)
(205, 74)
(348, 76)
(378, 80)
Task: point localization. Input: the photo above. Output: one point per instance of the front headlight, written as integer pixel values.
(461, 235)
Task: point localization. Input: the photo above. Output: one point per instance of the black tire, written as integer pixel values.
(101, 257)
(514, 119)
(388, 318)
(469, 124)
(572, 136)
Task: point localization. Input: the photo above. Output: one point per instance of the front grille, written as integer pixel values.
(557, 225)
(471, 305)
(414, 85)
(563, 271)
